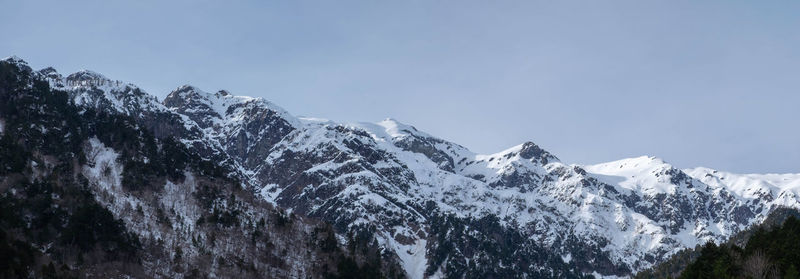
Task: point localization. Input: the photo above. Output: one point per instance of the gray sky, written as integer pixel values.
(697, 83)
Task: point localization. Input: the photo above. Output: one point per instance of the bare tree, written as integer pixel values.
(758, 266)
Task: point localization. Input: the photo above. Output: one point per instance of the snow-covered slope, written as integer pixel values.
(689, 211)
(612, 218)
(772, 189)
(390, 180)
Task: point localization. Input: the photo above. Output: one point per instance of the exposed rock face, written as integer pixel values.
(246, 127)
(440, 209)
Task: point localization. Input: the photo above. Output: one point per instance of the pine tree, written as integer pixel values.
(791, 273)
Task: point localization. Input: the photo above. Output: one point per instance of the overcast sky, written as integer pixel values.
(697, 83)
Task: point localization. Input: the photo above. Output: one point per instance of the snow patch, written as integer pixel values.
(640, 174)
(270, 193)
(413, 258)
(102, 167)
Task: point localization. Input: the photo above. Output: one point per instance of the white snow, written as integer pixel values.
(412, 257)
(750, 186)
(397, 129)
(102, 166)
(636, 174)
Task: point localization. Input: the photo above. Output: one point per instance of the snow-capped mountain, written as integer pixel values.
(439, 209)
(382, 174)
(90, 189)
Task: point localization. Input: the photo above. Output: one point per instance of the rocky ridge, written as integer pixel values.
(390, 180)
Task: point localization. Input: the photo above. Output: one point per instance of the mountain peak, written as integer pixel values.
(15, 59)
(186, 88)
(218, 105)
(397, 129)
(190, 97)
(530, 151)
(188, 91)
(86, 75)
(52, 76)
(646, 174)
(48, 70)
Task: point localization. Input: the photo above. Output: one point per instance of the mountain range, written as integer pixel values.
(392, 198)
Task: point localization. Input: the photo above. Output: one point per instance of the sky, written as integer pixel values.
(696, 83)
